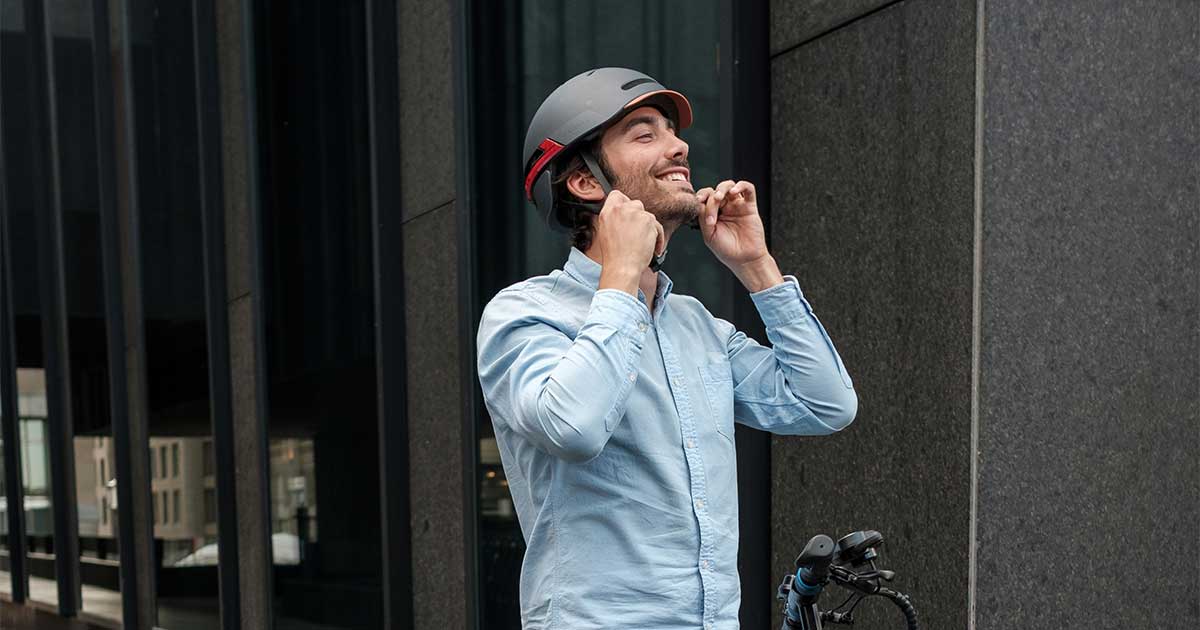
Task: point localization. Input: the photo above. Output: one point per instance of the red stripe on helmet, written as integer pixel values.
(549, 149)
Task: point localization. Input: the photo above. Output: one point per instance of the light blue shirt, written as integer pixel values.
(615, 429)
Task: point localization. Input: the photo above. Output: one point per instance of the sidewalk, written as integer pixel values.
(18, 617)
(103, 608)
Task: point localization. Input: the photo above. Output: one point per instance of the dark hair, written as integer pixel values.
(582, 228)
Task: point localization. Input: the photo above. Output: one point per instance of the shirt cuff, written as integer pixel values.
(781, 304)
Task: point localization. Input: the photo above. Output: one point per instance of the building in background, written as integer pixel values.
(286, 216)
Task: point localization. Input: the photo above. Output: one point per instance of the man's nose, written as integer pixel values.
(677, 150)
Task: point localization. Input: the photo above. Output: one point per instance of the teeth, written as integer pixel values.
(674, 177)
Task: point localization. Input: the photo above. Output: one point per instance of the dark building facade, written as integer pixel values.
(244, 245)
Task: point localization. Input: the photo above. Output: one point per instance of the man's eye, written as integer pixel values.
(645, 136)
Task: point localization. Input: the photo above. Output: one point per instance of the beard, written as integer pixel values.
(668, 202)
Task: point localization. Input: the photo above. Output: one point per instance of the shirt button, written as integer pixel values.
(708, 626)
(691, 443)
(704, 564)
(632, 376)
(677, 381)
(642, 326)
(699, 504)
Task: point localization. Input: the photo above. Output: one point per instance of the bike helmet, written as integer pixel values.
(577, 112)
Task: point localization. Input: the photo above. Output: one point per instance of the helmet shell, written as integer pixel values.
(577, 110)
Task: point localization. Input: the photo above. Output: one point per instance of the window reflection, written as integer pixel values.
(179, 522)
(293, 500)
(35, 476)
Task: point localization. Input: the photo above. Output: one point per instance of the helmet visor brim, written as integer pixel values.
(683, 109)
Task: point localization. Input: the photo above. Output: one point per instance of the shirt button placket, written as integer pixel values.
(694, 461)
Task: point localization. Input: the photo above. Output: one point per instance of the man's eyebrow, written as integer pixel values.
(647, 119)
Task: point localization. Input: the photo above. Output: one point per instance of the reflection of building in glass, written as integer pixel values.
(182, 492)
(495, 501)
(293, 491)
(35, 456)
(183, 487)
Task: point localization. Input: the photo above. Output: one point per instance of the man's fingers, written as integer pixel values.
(707, 221)
(617, 196)
(713, 199)
(722, 189)
(745, 189)
(711, 206)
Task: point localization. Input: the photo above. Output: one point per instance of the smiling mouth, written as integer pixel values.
(676, 177)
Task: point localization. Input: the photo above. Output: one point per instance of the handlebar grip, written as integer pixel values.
(813, 562)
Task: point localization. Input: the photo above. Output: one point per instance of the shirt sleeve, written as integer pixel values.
(564, 395)
(799, 386)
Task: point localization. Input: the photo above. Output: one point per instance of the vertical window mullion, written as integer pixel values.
(13, 484)
(55, 339)
(388, 260)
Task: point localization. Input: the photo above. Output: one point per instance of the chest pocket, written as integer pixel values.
(718, 392)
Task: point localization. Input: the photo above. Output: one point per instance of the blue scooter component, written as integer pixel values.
(850, 565)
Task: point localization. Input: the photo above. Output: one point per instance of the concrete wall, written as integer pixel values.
(431, 299)
(993, 208)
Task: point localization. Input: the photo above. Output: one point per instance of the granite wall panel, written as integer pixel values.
(872, 142)
(1089, 487)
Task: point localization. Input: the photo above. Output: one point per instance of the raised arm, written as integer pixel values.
(799, 386)
(564, 395)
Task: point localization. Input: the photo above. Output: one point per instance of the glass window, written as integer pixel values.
(35, 465)
(324, 485)
(522, 52)
(169, 191)
(206, 457)
(210, 506)
(25, 185)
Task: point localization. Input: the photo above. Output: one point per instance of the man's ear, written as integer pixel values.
(584, 186)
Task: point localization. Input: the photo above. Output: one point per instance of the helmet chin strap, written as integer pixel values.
(593, 165)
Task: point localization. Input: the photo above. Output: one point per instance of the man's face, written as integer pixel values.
(648, 162)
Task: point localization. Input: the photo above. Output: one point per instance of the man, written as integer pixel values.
(614, 399)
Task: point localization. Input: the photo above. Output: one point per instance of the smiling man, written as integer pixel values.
(613, 398)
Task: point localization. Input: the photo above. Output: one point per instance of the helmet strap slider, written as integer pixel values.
(593, 165)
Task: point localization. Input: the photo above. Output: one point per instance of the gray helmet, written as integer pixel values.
(576, 112)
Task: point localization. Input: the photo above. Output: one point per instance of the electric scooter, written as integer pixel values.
(851, 565)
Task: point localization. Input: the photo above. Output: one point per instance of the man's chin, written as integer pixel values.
(681, 214)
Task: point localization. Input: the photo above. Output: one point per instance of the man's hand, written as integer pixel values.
(732, 229)
(627, 237)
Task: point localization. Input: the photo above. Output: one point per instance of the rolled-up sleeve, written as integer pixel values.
(799, 386)
(565, 395)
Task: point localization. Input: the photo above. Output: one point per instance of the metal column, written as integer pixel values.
(383, 95)
(55, 339)
(120, 215)
(13, 484)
